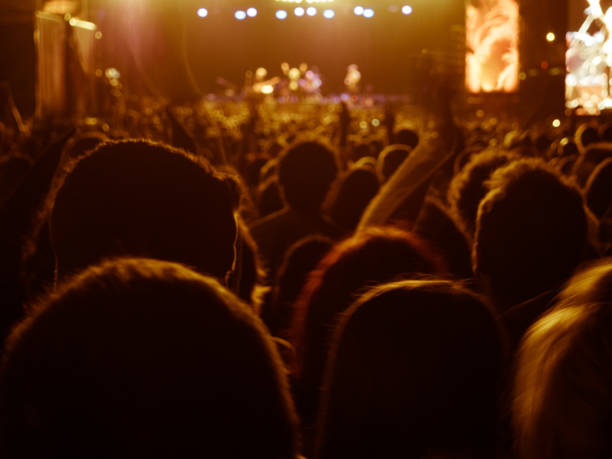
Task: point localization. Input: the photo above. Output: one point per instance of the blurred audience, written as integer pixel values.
(151, 291)
(306, 172)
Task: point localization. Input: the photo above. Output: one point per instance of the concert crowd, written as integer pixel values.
(233, 279)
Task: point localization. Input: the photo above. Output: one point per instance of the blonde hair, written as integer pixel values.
(563, 383)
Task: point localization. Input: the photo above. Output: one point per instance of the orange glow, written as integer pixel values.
(492, 59)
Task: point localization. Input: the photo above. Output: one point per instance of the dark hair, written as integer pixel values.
(415, 367)
(371, 257)
(468, 187)
(586, 135)
(140, 198)
(598, 190)
(144, 358)
(406, 136)
(438, 226)
(606, 133)
(306, 171)
(299, 260)
(350, 196)
(269, 198)
(531, 232)
(563, 385)
(587, 162)
(390, 160)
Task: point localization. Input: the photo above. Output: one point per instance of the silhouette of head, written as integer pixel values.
(299, 260)
(598, 191)
(531, 232)
(138, 198)
(468, 187)
(586, 135)
(414, 367)
(374, 256)
(438, 226)
(144, 358)
(306, 171)
(587, 162)
(350, 196)
(405, 136)
(390, 160)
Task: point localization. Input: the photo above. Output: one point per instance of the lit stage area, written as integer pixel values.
(219, 44)
(554, 55)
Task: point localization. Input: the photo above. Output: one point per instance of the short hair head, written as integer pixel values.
(350, 196)
(306, 171)
(138, 198)
(531, 232)
(438, 225)
(598, 191)
(468, 187)
(406, 136)
(586, 135)
(371, 257)
(390, 159)
(586, 163)
(414, 365)
(299, 260)
(144, 358)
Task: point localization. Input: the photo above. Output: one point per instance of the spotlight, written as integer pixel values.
(358, 10)
(267, 89)
(240, 15)
(556, 123)
(406, 9)
(311, 11)
(329, 14)
(550, 37)
(281, 14)
(202, 12)
(368, 13)
(251, 12)
(299, 11)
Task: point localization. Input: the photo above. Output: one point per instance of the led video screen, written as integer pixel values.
(492, 41)
(589, 57)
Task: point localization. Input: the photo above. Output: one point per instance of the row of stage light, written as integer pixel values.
(311, 11)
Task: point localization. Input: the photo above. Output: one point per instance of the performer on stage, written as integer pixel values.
(352, 79)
